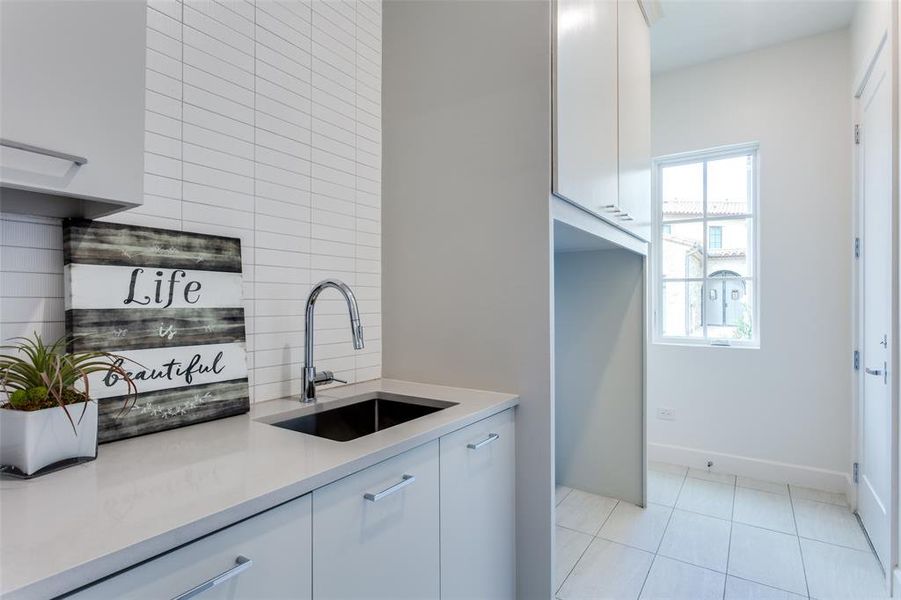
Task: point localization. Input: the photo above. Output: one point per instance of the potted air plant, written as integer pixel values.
(48, 420)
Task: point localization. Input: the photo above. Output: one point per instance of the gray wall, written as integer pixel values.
(466, 224)
(599, 400)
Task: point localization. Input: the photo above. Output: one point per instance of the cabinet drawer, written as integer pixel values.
(376, 531)
(278, 543)
(478, 534)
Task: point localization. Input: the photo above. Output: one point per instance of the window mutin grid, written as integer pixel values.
(711, 334)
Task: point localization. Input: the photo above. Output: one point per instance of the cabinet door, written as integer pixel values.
(478, 534)
(376, 531)
(585, 122)
(72, 82)
(634, 118)
(278, 544)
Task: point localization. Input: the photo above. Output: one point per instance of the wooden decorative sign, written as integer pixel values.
(168, 302)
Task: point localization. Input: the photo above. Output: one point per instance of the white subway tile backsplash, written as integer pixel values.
(285, 25)
(161, 42)
(217, 85)
(221, 105)
(285, 55)
(195, 18)
(288, 162)
(299, 133)
(263, 123)
(170, 8)
(209, 44)
(162, 144)
(163, 63)
(213, 121)
(214, 140)
(218, 67)
(163, 84)
(29, 310)
(162, 105)
(165, 22)
(49, 330)
(281, 225)
(245, 8)
(284, 105)
(160, 206)
(325, 201)
(264, 273)
(30, 285)
(215, 159)
(31, 260)
(274, 191)
(267, 140)
(282, 210)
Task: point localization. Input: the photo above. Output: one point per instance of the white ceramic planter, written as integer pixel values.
(33, 440)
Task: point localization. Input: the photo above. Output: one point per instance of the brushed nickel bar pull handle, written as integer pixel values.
(404, 482)
(78, 160)
(241, 564)
(491, 437)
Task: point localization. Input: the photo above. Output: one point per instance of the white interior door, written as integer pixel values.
(875, 470)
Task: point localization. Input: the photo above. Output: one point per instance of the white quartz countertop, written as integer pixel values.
(146, 495)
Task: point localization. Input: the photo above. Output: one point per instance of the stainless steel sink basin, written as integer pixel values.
(352, 418)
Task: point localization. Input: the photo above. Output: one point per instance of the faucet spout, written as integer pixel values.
(310, 377)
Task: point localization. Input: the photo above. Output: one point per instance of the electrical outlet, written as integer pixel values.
(667, 414)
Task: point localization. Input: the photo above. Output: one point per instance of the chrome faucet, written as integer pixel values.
(310, 377)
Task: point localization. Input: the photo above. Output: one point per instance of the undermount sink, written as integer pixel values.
(352, 418)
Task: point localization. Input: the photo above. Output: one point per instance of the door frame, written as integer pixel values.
(884, 45)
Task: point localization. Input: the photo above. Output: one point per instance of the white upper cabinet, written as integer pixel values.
(634, 118)
(478, 530)
(72, 98)
(585, 127)
(602, 110)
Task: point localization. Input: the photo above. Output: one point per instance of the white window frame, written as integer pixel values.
(720, 152)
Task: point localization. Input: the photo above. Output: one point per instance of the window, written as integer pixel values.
(716, 236)
(706, 245)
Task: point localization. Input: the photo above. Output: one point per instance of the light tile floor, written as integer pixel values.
(709, 535)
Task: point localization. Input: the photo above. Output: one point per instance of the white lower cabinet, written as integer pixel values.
(478, 535)
(376, 532)
(389, 531)
(277, 543)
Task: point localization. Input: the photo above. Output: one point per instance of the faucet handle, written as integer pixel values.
(324, 377)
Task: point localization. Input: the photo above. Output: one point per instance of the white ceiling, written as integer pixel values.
(690, 32)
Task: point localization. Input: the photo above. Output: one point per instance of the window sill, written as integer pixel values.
(689, 343)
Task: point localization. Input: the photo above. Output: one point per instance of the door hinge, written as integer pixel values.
(857, 247)
(857, 134)
(857, 360)
(856, 472)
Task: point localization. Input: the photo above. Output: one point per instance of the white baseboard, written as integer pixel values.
(896, 583)
(822, 479)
